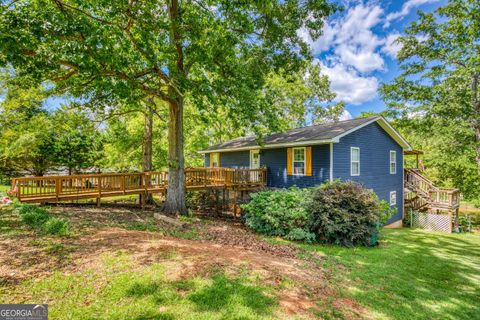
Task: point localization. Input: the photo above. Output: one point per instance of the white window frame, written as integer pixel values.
(394, 194)
(304, 161)
(215, 156)
(394, 162)
(351, 161)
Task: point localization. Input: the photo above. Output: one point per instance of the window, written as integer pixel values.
(393, 198)
(393, 162)
(354, 161)
(214, 159)
(298, 161)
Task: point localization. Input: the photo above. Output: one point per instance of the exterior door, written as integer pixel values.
(254, 159)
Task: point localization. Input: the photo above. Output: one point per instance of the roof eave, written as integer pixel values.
(270, 146)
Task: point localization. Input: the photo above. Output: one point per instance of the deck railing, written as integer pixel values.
(434, 197)
(114, 184)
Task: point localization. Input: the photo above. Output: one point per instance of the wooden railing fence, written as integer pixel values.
(57, 188)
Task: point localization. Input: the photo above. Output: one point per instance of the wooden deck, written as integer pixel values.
(97, 186)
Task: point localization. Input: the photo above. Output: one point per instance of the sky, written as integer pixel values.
(357, 50)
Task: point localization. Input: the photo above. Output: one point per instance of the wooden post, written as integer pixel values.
(123, 184)
(99, 191)
(57, 187)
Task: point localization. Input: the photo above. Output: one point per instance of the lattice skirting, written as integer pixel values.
(432, 221)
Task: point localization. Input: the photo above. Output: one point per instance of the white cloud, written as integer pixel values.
(346, 115)
(405, 10)
(349, 85)
(392, 47)
(351, 39)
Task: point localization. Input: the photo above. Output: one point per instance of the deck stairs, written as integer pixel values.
(422, 195)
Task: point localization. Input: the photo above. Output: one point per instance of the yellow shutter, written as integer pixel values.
(308, 161)
(289, 161)
(218, 159)
(211, 159)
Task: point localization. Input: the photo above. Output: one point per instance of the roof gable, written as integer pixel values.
(315, 134)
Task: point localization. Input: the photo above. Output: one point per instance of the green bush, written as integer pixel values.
(280, 213)
(346, 213)
(39, 219)
(35, 218)
(56, 226)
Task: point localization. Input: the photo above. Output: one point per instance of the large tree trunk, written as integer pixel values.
(148, 146)
(175, 202)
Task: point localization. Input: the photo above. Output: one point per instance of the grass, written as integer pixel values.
(413, 275)
(118, 288)
(4, 189)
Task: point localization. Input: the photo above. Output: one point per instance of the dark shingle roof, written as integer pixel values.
(311, 133)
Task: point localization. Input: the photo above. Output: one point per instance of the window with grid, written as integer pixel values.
(393, 198)
(393, 162)
(355, 161)
(298, 161)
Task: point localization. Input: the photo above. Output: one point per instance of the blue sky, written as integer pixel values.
(357, 50)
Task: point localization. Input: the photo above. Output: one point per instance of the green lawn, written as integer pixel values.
(4, 189)
(117, 288)
(412, 275)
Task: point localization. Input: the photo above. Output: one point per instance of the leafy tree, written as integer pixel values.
(204, 51)
(26, 139)
(437, 95)
(77, 143)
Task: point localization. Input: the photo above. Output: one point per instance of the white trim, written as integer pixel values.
(392, 162)
(351, 162)
(304, 161)
(331, 161)
(390, 200)
(385, 126)
(270, 146)
(251, 153)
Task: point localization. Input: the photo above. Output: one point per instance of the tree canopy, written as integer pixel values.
(202, 52)
(437, 96)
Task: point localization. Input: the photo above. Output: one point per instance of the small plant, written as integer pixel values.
(56, 226)
(280, 213)
(40, 219)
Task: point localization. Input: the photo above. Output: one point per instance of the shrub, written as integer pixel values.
(56, 226)
(280, 213)
(345, 213)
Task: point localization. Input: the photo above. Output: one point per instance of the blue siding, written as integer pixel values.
(276, 162)
(236, 159)
(207, 159)
(375, 145)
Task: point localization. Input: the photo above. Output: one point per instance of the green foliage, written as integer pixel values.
(345, 213)
(437, 97)
(56, 226)
(39, 219)
(279, 213)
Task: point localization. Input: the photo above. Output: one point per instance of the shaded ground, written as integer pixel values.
(298, 280)
(213, 269)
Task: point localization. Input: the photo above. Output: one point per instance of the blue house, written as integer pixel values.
(367, 150)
